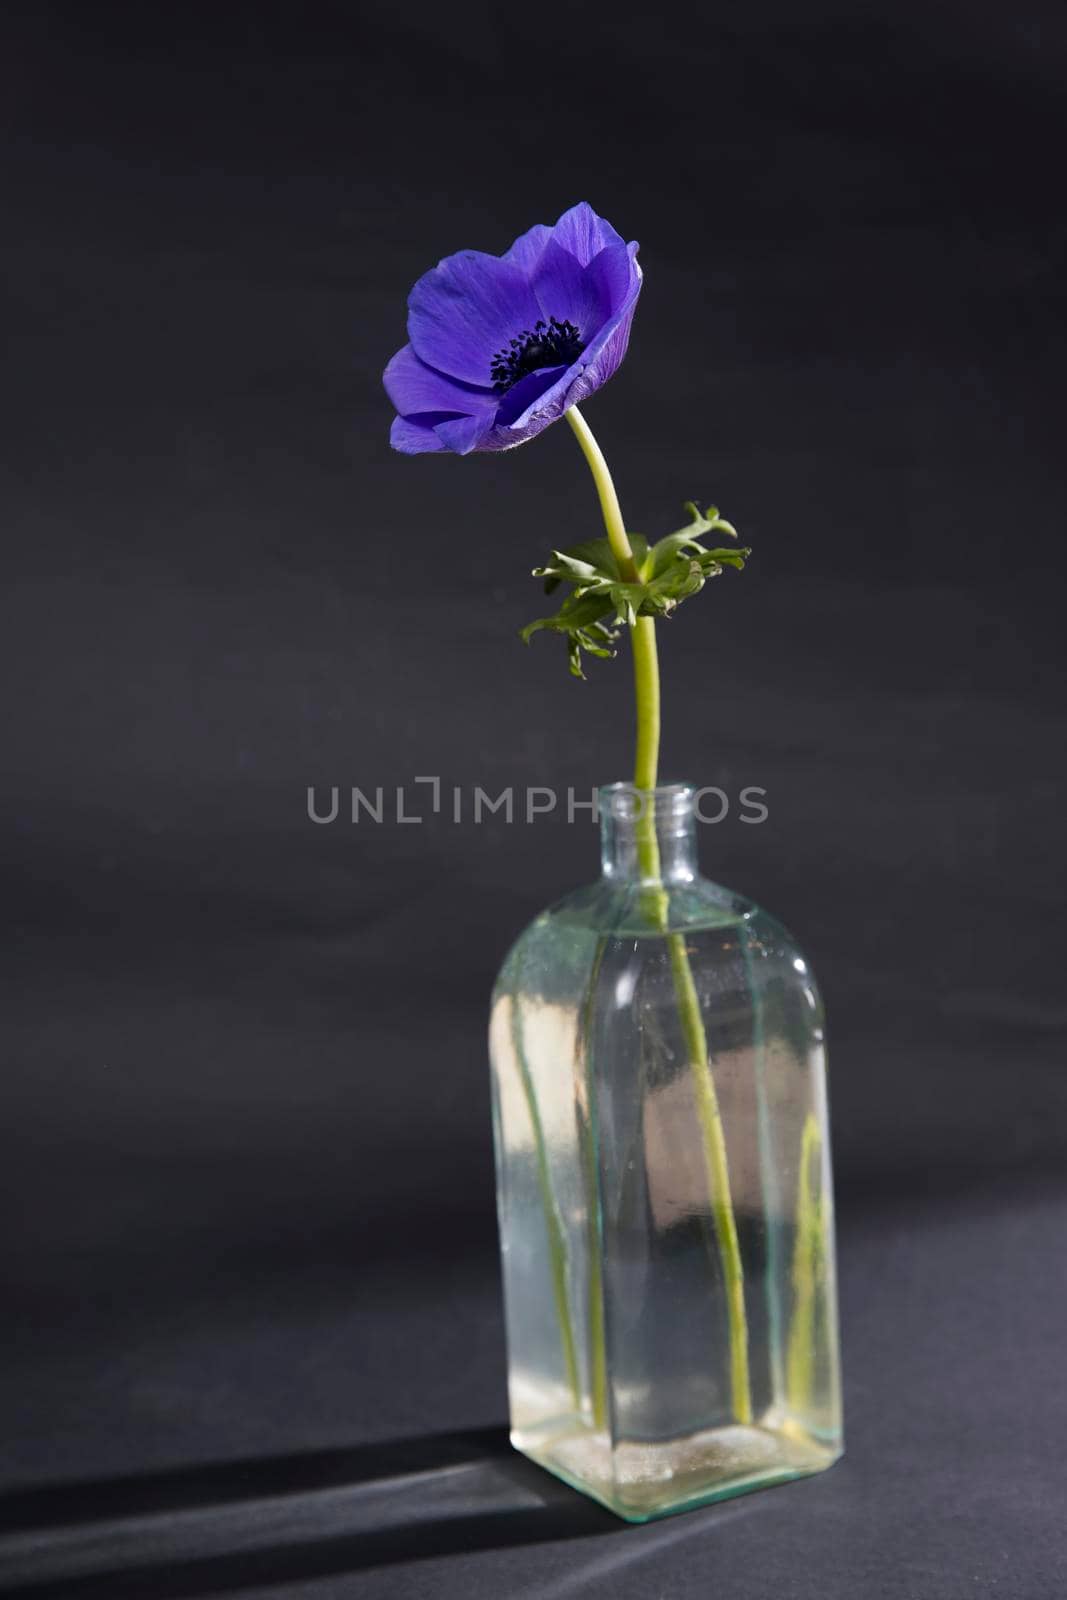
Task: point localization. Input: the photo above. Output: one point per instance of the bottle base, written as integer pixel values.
(641, 1481)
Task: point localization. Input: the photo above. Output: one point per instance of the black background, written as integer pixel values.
(246, 1148)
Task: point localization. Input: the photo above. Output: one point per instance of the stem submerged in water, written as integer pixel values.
(722, 1209)
(807, 1255)
(646, 770)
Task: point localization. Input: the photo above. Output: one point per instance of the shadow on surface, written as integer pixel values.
(242, 1524)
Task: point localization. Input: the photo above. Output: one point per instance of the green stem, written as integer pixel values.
(609, 500)
(807, 1250)
(722, 1210)
(646, 690)
(646, 766)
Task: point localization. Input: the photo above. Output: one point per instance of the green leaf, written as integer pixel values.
(627, 599)
(571, 565)
(572, 616)
(731, 558)
(564, 566)
(665, 551)
(574, 659)
(600, 604)
(700, 524)
(706, 521)
(597, 552)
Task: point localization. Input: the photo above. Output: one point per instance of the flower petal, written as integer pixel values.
(569, 291)
(528, 248)
(463, 434)
(603, 357)
(412, 386)
(616, 275)
(413, 437)
(547, 407)
(467, 309)
(583, 233)
(523, 395)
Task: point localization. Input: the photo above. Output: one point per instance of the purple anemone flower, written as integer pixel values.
(502, 345)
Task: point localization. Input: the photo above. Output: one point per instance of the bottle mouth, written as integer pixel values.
(669, 803)
(648, 835)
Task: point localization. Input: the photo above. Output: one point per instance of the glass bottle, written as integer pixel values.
(663, 1178)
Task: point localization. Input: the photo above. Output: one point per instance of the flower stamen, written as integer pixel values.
(547, 344)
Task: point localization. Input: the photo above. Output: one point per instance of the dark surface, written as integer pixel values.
(252, 1338)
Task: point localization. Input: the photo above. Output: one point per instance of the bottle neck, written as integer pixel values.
(627, 816)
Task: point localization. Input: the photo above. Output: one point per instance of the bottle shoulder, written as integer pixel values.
(607, 910)
(623, 909)
(592, 934)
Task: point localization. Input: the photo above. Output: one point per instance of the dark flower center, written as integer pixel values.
(550, 344)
